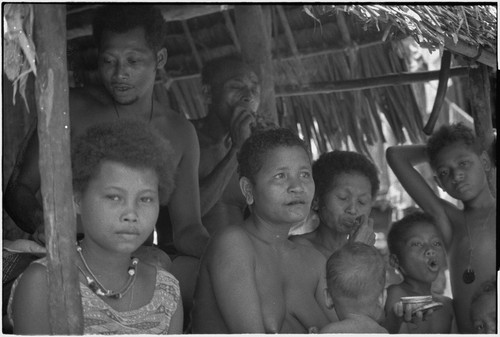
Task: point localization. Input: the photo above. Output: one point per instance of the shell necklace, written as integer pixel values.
(96, 286)
(469, 275)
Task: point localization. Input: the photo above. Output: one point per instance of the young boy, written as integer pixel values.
(469, 234)
(355, 279)
(417, 252)
(483, 309)
(122, 172)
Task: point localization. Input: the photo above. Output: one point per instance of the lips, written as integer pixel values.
(433, 265)
(296, 202)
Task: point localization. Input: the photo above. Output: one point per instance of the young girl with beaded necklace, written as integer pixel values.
(121, 173)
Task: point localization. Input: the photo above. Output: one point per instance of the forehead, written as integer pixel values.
(420, 228)
(453, 152)
(284, 155)
(134, 38)
(236, 72)
(354, 180)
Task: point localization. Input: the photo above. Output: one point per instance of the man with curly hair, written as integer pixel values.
(469, 233)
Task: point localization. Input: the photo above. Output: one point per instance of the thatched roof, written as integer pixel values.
(327, 44)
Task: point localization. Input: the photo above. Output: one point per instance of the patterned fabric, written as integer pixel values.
(153, 318)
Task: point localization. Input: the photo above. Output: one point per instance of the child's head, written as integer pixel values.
(459, 161)
(123, 18)
(484, 308)
(356, 271)
(131, 143)
(346, 186)
(416, 247)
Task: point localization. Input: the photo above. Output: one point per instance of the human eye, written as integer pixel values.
(113, 197)
(342, 197)
(279, 175)
(437, 244)
(443, 172)
(306, 174)
(147, 199)
(479, 326)
(464, 163)
(415, 244)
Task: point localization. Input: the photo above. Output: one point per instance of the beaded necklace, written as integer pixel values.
(96, 286)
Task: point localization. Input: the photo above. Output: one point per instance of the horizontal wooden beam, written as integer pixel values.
(183, 12)
(367, 83)
(170, 13)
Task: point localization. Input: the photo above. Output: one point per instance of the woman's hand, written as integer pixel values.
(364, 232)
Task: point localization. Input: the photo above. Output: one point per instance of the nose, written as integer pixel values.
(458, 176)
(430, 252)
(296, 185)
(130, 213)
(351, 208)
(121, 70)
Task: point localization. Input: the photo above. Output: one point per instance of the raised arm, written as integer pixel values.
(402, 159)
(20, 201)
(190, 237)
(213, 185)
(232, 274)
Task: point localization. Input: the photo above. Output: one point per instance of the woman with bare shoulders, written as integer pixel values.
(253, 279)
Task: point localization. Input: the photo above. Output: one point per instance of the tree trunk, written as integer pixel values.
(481, 112)
(51, 93)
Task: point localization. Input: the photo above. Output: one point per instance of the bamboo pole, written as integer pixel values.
(255, 40)
(367, 83)
(51, 93)
(481, 112)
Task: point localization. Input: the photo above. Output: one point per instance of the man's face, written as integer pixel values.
(240, 88)
(127, 65)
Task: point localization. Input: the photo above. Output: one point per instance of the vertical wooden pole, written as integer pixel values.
(255, 38)
(481, 112)
(51, 93)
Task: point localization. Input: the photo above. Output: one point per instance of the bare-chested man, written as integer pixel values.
(130, 50)
(232, 92)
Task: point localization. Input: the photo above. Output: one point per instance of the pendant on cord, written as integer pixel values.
(469, 276)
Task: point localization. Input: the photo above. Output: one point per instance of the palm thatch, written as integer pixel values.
(312, 45)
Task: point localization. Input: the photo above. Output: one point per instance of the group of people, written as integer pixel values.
(230, 192)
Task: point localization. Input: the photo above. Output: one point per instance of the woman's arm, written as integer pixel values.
(30, 308)
(231, 267)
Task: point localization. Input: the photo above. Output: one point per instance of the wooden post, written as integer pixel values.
(481, 112)
(255, 39)
(51, 93)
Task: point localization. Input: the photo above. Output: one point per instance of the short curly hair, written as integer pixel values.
(332, 164)
(395, 237)
(357, 271)
(250, 157)
(448, 135)
(124, 17)
(488, 287)
(132, 143)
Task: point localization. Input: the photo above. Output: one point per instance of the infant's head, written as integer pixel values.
(483, 309)
(357, 272)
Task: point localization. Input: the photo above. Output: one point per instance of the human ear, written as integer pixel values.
(207, 93)
(328, 299)
(161, 58)
(438, 182)
(77, 198)
(393, 261)
(485, 160)
(246, 189)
